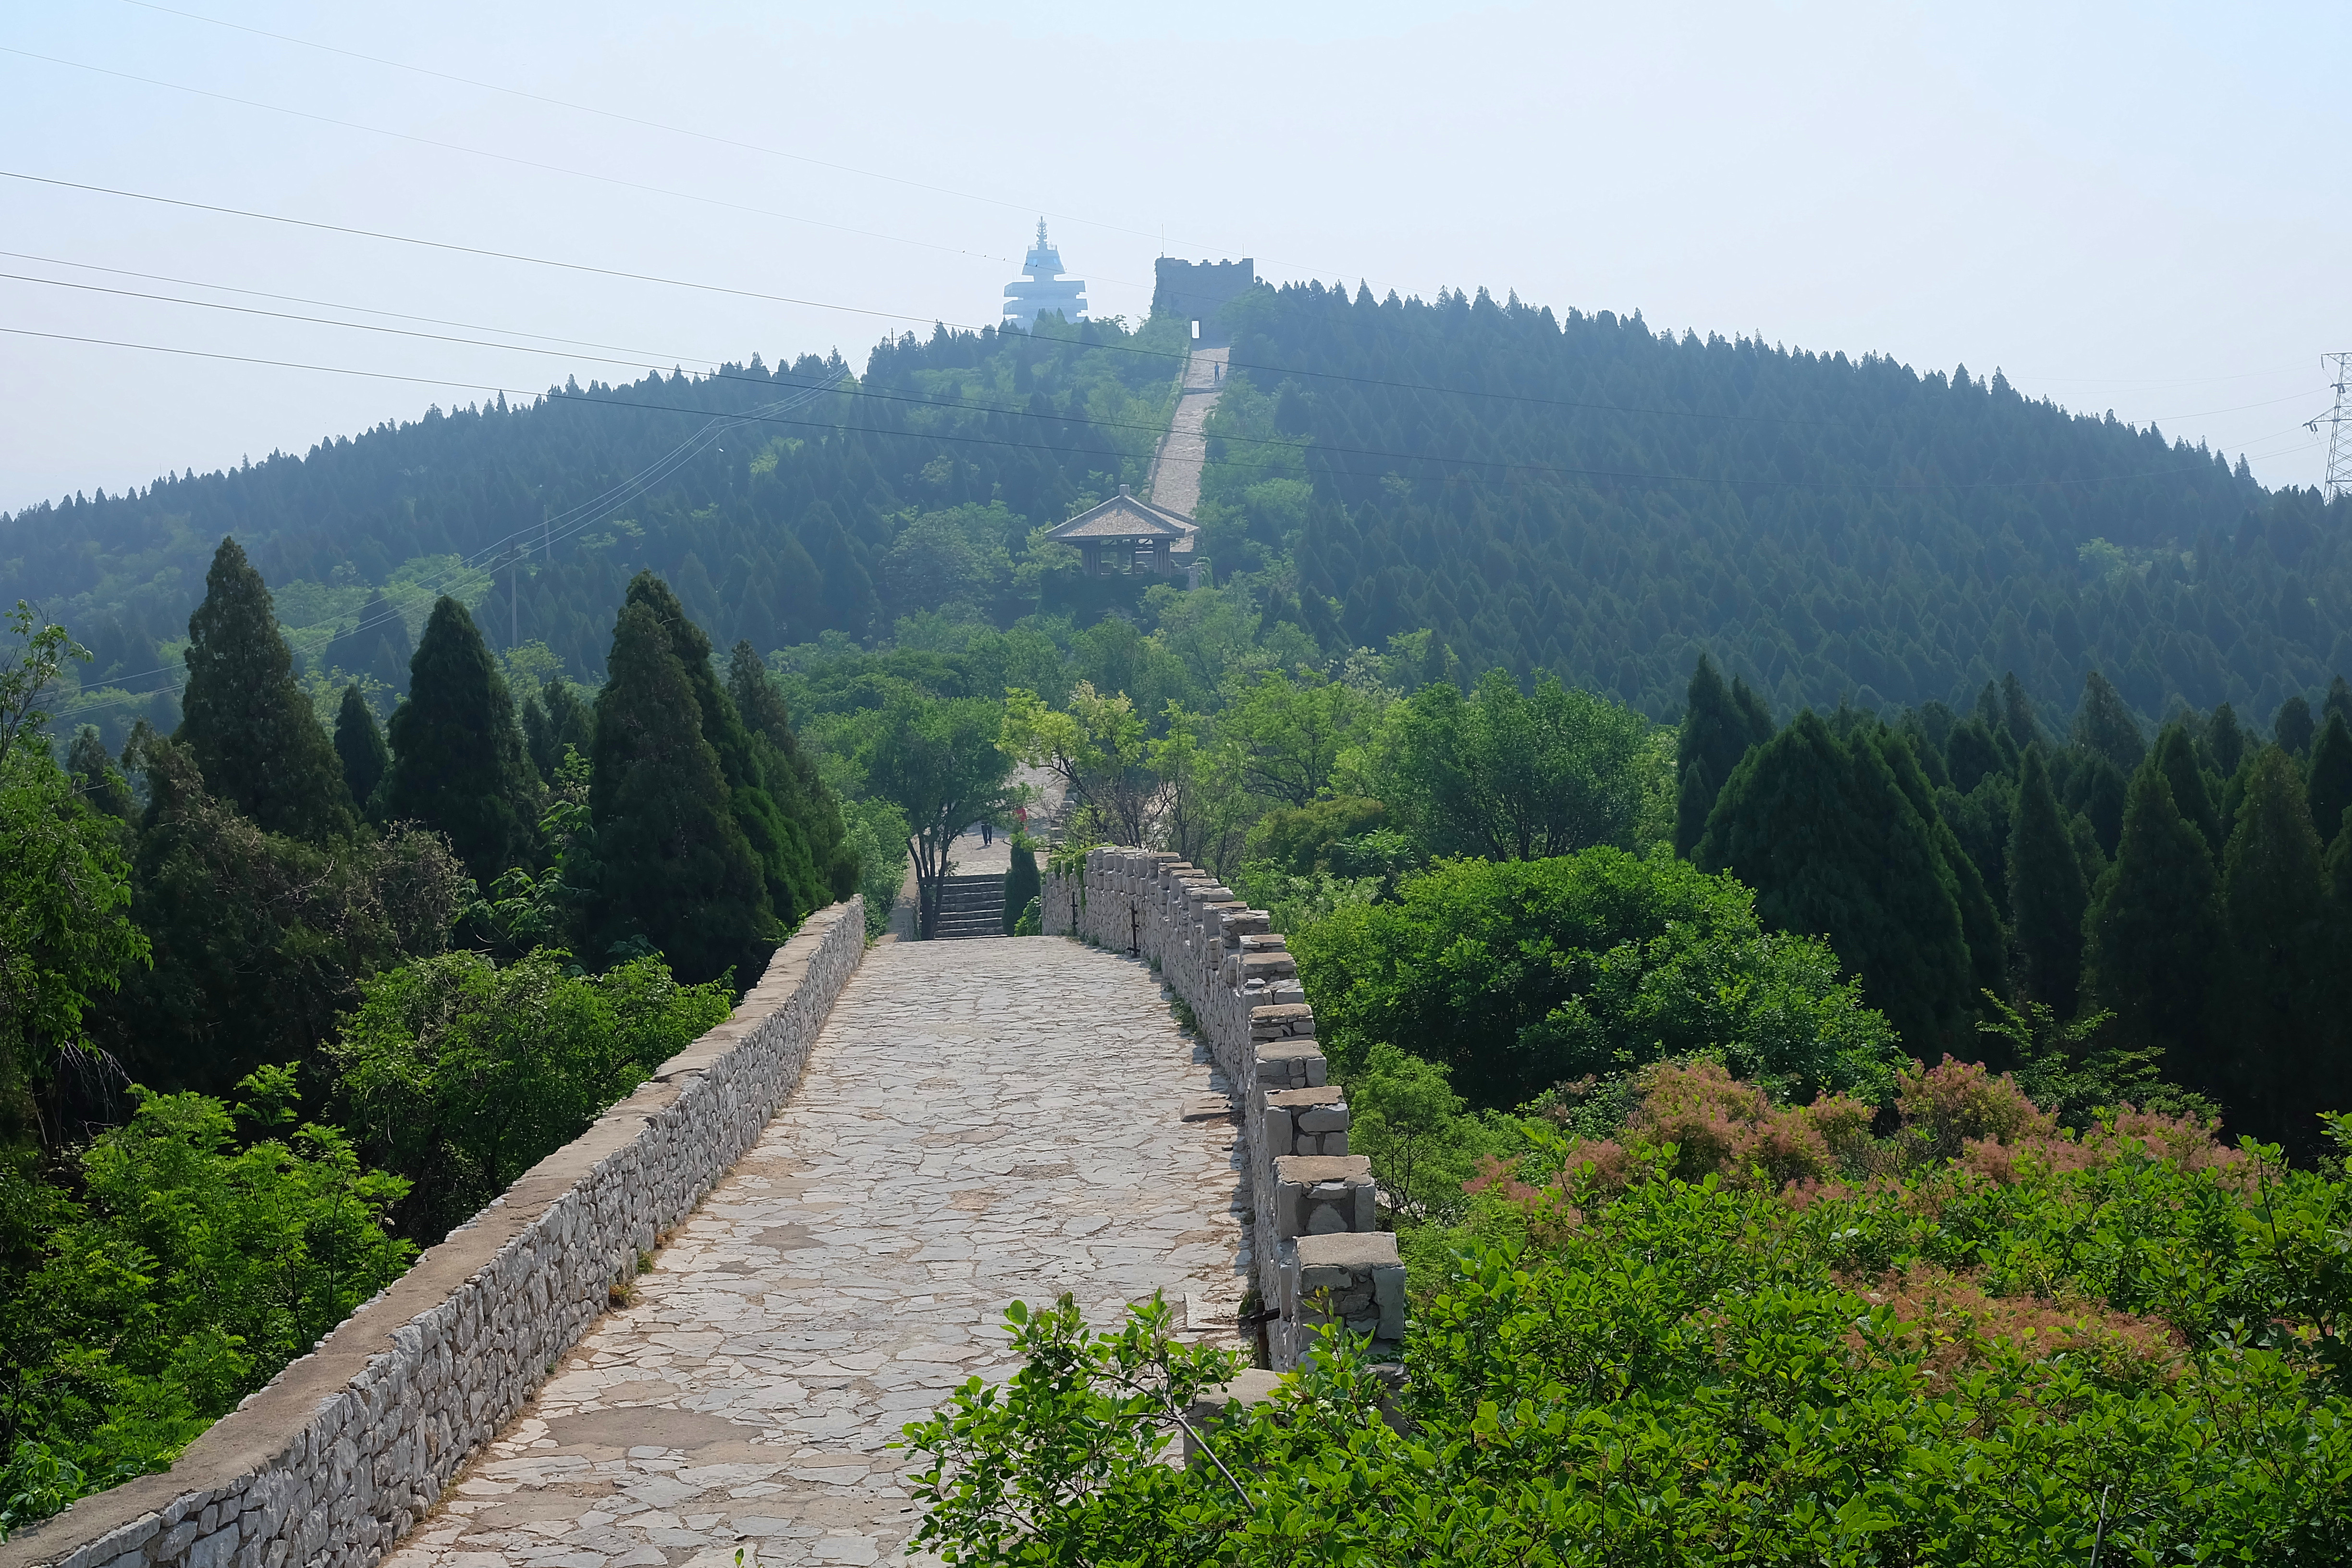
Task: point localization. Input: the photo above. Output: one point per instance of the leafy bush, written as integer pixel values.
(461, 1074)
(2134, 1352)
(192, 1265)
(877, 833)
(1522, 975)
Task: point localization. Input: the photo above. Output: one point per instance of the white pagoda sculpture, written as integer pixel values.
(1044, 288)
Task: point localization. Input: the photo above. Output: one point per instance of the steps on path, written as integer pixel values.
(971, 907)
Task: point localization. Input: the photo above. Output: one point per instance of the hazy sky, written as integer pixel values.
(2139, 208)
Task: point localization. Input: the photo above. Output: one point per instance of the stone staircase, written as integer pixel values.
(972, 906)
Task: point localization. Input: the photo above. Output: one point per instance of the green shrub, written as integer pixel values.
(1023, 886)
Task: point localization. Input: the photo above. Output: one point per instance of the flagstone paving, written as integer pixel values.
(980, 1121)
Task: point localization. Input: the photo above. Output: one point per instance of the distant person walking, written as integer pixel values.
(986, 838)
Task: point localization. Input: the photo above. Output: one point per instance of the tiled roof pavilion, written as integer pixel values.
(1155, 536)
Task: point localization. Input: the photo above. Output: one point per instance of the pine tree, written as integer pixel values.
(95, 777)
(2225, 740)
(2046, 893)
(2327, 790)
(457, 762)
(554, 719)
(2272, 1004)
(791, 773)
(2105, 724)
(2153, 933)
(1826, 838)
(787, 869)
(2017, 713)
(361, 746)
(246, 721)
(2176, 756)
(1718, 726)
(2293, 727)
(674, 872)
(2097, 791)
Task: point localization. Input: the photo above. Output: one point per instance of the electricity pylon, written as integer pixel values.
(2338, 421)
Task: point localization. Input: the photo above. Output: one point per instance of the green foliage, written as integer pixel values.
(1518, 976)
(940, 763)
(2286, 1060)
(1424, 1143)
(2154, 933)
(1302, 839)
(1832, 843)
(673, 868)
(1515, 777)
(2047, 894)
(458, 764)
(554, 719)
(1625, 1367)
(2328, 789)
(1283, 735)
(1022, 884)
(460, 1074)
(1032, 919)
(191, 1264)
(360, 746)
(877, 836)
(791, 777)
(1719, 724)
(246, 721)
(259, 939)
(63, 935)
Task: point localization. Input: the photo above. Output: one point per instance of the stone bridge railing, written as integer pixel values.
(1315, 1240)
(349, 1447)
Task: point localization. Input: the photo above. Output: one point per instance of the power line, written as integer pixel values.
(505, 157)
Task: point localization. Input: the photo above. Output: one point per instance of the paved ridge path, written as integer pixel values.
(979, 1121)
(1176, 471)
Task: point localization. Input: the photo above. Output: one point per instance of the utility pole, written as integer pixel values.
(2338, 421)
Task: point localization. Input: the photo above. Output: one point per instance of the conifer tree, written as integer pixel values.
(2225, 740)
(553, 719)
(2154, 932)
(1831, 845)
(361, 746)
(2271, 1011)
(376, 644)
(2339, 702)
(1980, 922)
(457, 762)
(2327, 789)
(791, 775)
(2292, 728)
(1719, 724)
(848, 588)
(2046, 892)
(2096, 791)
(674, 872)
(2017, 713)
(787, 869)
(2176, 756)
(246, 721)
(2105, 724)
(95, 778)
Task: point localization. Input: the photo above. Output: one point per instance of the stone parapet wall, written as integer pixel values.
(1235, 973)
(348, 1447)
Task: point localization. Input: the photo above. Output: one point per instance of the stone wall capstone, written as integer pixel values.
(347, 1449)
(1237, 975)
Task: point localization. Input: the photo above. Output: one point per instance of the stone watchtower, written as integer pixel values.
(1200, 289)
(1045, 289)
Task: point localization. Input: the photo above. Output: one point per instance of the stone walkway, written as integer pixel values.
(1176, 472)
(981, 1121)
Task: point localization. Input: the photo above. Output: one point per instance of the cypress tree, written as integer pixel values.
(1980, 925)
(1719, 724)
(2225, 740)
(2153, 935)
(2272, 1003)
(787, 869)
(2327, 790)
(2339, 702)
(2176, 756)
(848, 589)
(2046, 892)
(791, 775)
(2105, 724)
(2292, 728)
(674, 871)
(2017, 714)
(244, 720)
(2097, 791)
(457, 762)
(554, 719)
(1831, 845)
(1971, 753)
(366, 757)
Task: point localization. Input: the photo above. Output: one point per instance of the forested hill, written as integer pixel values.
(1605, 500)
(774, 514)
(1578, 494)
